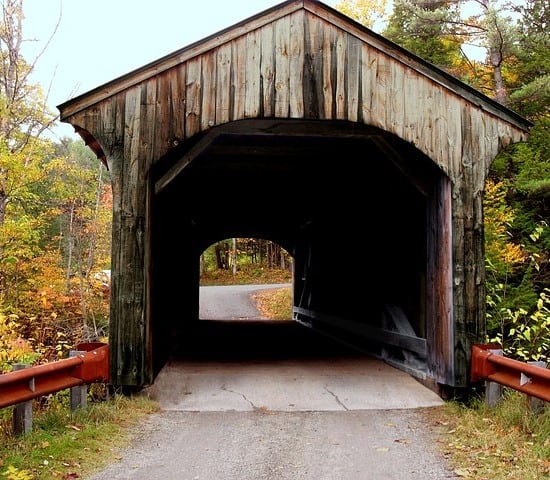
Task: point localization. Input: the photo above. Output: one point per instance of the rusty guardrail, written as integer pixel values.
(530, 379)
(33, 382)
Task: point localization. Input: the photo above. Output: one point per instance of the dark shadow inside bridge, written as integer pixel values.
(350, 203)
(257, 340)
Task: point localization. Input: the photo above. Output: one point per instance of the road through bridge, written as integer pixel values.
(257, 399)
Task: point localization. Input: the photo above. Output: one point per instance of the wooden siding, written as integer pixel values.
(301, 60)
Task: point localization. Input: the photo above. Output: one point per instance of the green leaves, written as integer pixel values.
(528, 335)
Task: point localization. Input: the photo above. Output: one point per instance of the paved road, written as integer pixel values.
(231, 302)
(252, 400)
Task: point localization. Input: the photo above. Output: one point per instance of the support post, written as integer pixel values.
(493, 390)
(536, 405)
(22, 412)
(79, 394)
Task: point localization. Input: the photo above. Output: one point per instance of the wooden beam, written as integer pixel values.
(408, 342)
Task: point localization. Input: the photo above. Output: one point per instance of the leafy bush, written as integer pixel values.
(13, 348)
(527, 337)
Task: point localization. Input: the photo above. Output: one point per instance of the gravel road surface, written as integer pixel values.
(350, 445)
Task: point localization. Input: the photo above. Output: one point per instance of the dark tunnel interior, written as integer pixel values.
(348, 202)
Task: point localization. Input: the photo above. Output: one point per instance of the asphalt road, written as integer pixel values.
(231, 302)
(251, 399)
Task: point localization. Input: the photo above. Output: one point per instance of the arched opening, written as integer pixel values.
(245, 279)
(361, 212)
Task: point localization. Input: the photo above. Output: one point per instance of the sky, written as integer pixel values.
(99, 40)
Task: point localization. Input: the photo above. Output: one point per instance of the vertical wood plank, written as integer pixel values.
(313, 69)
(395, 103)
(340, 66)
(208, 91)
(267, 70)
(128, 261)
(176, 85)
(131, 139)
(238, 78)
(439, 331)
(353, 61)
(163, 114)
(412, 90)
(453, 140)
(223, 87)
(296, 65)
(383, 79)
(328, 73)
(148, 124)
(282, 67)
(368, 84)
(252, 75)
(193, 95)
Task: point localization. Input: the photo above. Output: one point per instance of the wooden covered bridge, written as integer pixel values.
(300, 126)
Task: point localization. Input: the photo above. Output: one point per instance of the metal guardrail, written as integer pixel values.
(524, 377)
(33, 382)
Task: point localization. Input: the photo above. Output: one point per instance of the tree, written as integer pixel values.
(531, 93)
(55, 209)
(499, 36)
(423, 27)
(23, 118)
(366, 12)
(79, 185)
(441, 30)
(243, 253)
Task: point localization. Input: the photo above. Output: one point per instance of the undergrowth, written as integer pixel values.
(509, 441)
(67, 445)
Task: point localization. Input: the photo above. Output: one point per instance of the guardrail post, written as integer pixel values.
(493, 390)
(535, 404)
(79, 394)
(22, 412)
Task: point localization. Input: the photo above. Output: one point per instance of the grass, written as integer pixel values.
(67, 445)
(510, 441)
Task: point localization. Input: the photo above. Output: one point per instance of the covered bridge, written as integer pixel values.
(300, 126)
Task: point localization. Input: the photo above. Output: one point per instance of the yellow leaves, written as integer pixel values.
(498, 217)
(513, 253)
(366, 12)
(12, 473)
(13, 348)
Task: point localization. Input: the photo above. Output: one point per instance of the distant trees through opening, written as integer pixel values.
(241, 261)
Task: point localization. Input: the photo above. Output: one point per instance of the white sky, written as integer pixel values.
(100, 40)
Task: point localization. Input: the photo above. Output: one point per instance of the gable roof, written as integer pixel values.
(318, 8)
